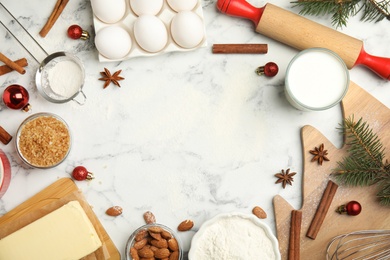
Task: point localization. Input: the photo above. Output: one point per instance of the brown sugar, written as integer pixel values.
(44, 141)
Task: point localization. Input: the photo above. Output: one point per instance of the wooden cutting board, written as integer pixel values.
(49, 199)
(361, 104)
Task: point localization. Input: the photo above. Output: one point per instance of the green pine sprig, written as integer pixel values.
(342, 10)
(364, 165)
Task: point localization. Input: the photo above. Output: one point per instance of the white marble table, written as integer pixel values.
(188, 135)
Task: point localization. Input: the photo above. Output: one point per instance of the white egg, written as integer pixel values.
(187, 29)
(150, 33)
(141, 7)
(109, 11)
(182, 5)
(113, 42)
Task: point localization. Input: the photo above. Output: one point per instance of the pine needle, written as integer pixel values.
(364, 165)
(341, 10)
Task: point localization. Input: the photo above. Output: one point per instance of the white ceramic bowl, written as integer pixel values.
(232, 224)
(5, 173)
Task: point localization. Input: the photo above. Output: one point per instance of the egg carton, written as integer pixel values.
(166, 15)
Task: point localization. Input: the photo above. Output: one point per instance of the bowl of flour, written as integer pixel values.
(234, 236)
(60, 78)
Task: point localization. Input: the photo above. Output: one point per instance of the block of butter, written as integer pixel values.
(64, 234)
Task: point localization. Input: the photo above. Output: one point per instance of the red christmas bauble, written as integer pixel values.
(352, 208)
(80, 173)
(75, 31)
(271, 69)
(16, 97)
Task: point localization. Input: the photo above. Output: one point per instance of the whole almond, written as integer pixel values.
(174, 255)
(156, 236)
(141, 235)
(155, 229)
(146, 252)
(162, 253)
(173, 245)
(166, 235)
(114, 211)
(149, 217)
(162, 243)
(259, 212)
(185, 225)
(140, 244)
(134, 253)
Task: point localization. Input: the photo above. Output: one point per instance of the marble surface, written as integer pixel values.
(188, 135)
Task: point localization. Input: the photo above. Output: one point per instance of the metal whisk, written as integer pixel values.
(364, 244)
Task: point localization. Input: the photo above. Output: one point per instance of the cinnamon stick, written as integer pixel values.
(5, 137)
(241, 48)
(12, 64)
(295, 235)
(58, 8)
(4, 69)
(322, 210)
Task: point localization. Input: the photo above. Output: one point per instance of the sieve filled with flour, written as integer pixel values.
(60, 78)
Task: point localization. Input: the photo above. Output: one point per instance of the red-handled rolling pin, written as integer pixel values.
(301, 33)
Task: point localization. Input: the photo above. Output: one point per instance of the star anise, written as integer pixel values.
(319, 154)
(285, 177)
(108, 78)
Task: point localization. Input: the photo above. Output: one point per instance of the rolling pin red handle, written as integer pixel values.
(379, 65)
(240, 9)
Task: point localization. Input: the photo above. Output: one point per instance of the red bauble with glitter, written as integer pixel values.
(80, 173)
(76, 32)
(16, 97)
(352, 208)
(270, 69)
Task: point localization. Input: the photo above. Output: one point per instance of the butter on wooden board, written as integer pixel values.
(65, 233)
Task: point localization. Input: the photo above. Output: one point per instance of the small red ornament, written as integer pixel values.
(352, 208)
(270, 69)
(80, 173)
(16, 97)
(76, 32)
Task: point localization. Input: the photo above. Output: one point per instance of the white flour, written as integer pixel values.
(65, 78)
(234, 238)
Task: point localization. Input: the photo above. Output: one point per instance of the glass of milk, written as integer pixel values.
(316, 79)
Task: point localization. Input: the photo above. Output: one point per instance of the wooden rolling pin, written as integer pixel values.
(301, 33)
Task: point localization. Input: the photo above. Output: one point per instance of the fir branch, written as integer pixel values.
(341, 10)
(364, 165)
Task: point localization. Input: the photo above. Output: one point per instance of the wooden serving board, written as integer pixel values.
(360, 104)
(51, 198)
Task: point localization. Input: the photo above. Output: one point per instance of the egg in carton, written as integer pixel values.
(132, 28)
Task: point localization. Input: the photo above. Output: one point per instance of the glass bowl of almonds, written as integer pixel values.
(154, 241)
(43, 140)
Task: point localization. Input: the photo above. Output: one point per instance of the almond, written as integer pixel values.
(146, 253)
(155, 229)
(173, 245)
(185, 225)
(114, 211)
(134, 253)
(166, 235)
(149, 217)
(174, 255)
(259, 212)
(156, 236)
(140, 244)
(162, 253)
(141, 235)
(162, 243)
